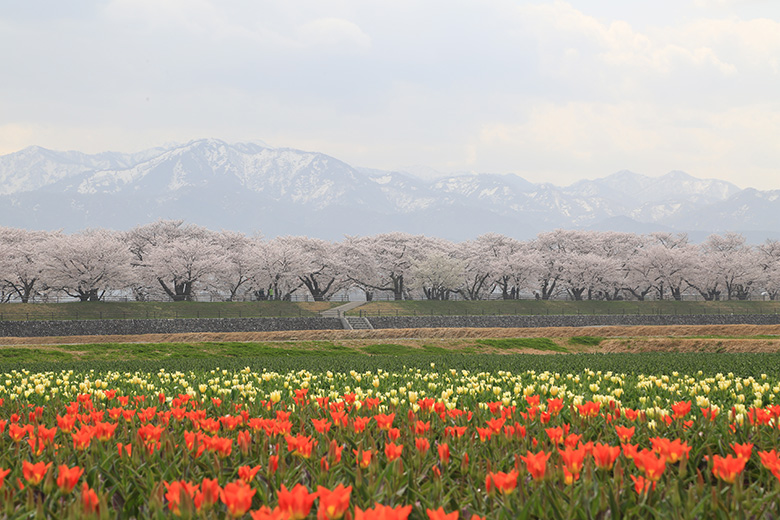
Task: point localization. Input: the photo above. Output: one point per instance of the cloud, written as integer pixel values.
(615, 46)
(545, 88)
(567, 142)
(14, 137)
(195, 15)
(333, 33)
(721, 3)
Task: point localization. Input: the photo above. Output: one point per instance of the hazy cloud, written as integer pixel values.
(553, 90)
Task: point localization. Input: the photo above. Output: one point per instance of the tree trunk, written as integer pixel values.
(317, 292)
(398, 287)
(547, 288)
(182, 291)
(24, 290)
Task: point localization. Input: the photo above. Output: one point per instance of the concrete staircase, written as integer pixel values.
(359, 323)
(348, 322)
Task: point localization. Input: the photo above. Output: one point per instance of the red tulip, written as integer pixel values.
(439, 514)
(68, 477)
(237, 497)
(605, 455)
(297, 502)
(728, 468)
(380, 512)
(34, 473)
(333, 503)
(536, 463)
(393, 451)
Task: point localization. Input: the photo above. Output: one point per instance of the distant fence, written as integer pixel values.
(202, 297)
(339, 297)
(164, 314)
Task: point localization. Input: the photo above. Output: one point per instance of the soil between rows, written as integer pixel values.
(678, 338)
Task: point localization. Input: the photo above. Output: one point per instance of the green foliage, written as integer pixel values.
(388, 349)
(523, 343)
(588, 341)
(433, 349)
(324, 356)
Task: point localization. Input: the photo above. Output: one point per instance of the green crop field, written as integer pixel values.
(478, 354)
(329, 358)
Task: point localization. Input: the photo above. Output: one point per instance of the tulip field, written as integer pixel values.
(501, 437)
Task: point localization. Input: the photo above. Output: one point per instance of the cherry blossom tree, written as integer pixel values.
(141, 241)
(357, 265)
(88, 264)
(21, 261)
(616, 249)
(239, 252)
(584, 275)
(515, 265)
(702, 276)
(169, 258)
(479, 266)
(175, 258)
(768, 256)
(437, 276)
(639, 275)
(732, 262)
(672, 260)
(551, 249)
(394, 255)
(276, 266)
(315, 266)
(439, 273)
(178, 266)
(559, 251)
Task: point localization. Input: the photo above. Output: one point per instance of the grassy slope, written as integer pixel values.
(19, 355)
(143, 310)
(106, 352)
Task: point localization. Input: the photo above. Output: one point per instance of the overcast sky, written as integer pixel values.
(552, 91)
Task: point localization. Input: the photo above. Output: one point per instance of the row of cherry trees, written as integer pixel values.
(177, 261)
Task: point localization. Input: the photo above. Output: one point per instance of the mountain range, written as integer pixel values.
(280, 191)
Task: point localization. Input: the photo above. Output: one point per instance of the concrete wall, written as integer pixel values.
(172, 326)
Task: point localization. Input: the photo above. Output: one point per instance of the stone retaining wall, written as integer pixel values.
(171, 326)
(582, 320)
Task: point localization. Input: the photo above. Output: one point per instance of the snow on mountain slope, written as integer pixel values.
(249, 186)
(280, 174)
(36, 167)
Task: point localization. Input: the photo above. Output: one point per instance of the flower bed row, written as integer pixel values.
(409, 444)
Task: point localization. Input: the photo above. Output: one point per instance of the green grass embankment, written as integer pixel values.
(559, 307)
(160, 310)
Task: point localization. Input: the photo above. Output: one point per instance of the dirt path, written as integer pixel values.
(704, 338)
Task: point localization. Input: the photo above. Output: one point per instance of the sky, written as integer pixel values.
(551, 91)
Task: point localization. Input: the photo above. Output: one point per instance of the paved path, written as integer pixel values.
(336, 312)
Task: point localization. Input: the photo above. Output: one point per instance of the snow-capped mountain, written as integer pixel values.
(251, 187)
